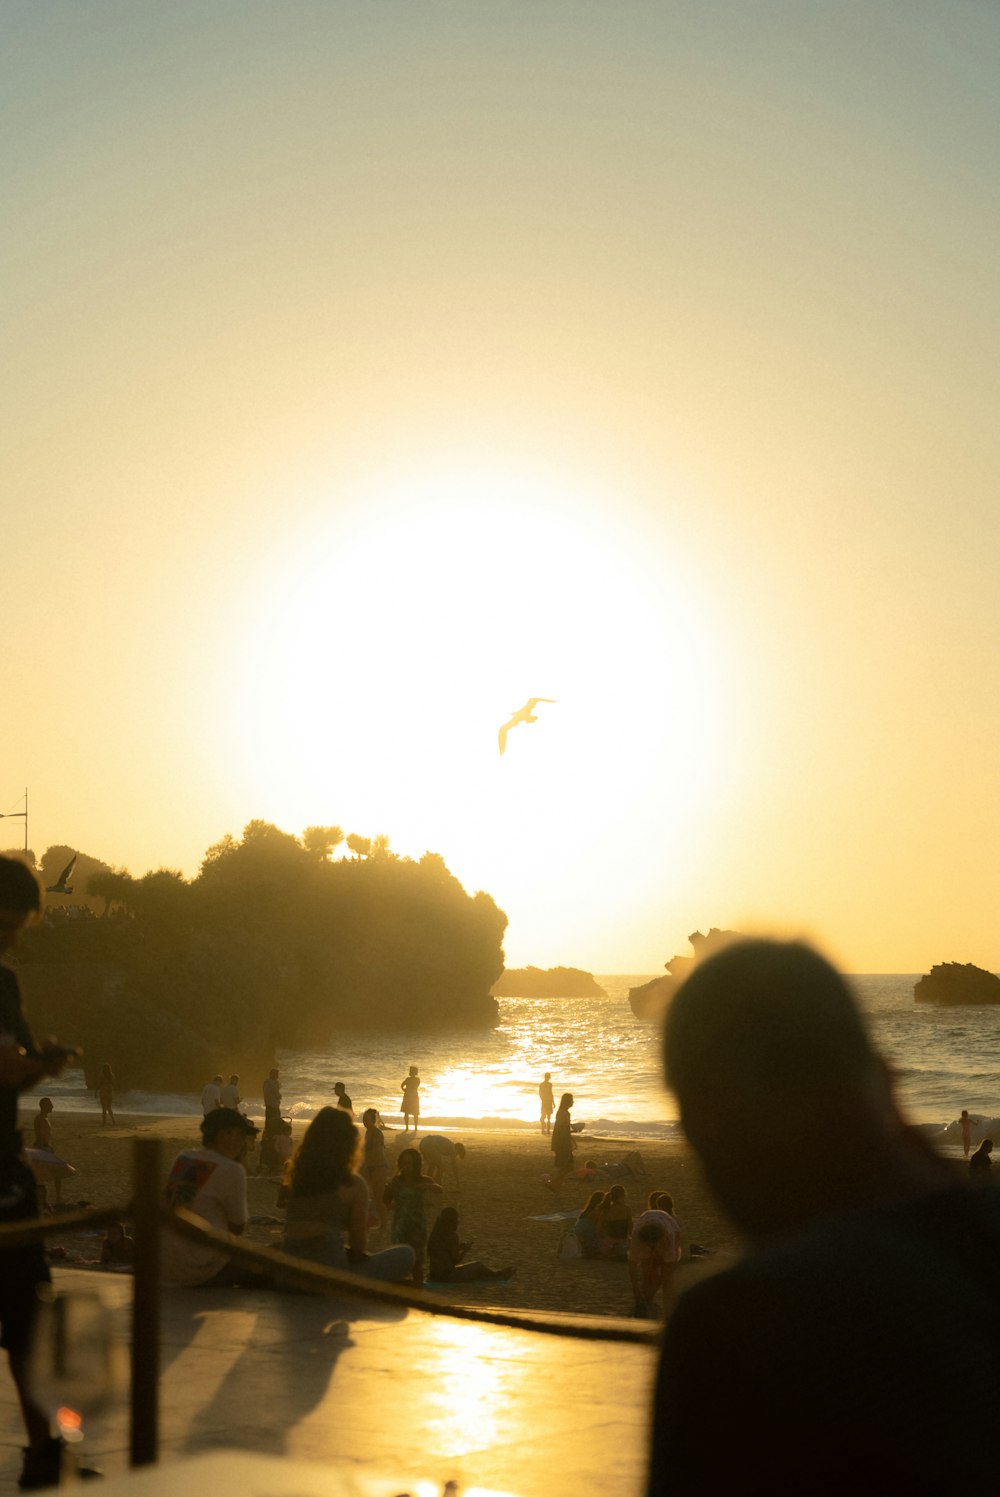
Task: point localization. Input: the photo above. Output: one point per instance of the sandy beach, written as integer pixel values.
(499, 1196)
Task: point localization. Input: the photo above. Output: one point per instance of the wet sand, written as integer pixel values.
(499, 1193)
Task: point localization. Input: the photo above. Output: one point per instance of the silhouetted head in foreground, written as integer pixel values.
(781, 1091)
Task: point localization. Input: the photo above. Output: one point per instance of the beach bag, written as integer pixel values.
(569, 1246)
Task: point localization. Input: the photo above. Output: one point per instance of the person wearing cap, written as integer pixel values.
(211, 1183)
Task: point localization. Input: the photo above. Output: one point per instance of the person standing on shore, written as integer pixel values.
(562, 1144)
(411, 1099)
(211, 1096)
(375, 1165)
(815, 1363)
(547, 1100)
(231, 1094)
(271, 1093)
(965, 1122)
(22, 1268)
(106, 1094)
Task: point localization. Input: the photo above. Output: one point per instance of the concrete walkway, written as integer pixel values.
(401, 1392)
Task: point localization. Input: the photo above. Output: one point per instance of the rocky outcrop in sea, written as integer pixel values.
(956, 983)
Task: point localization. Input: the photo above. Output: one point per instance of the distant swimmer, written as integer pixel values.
(525, 714)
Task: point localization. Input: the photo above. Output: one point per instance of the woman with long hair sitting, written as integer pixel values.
(327, 1217)
(585, 1226)
(614, 1224)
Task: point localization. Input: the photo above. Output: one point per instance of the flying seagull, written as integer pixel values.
(525, 714)
(60, 886)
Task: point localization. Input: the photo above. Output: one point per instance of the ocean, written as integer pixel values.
(944, 1059)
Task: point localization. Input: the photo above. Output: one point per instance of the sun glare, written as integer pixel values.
(400, 635)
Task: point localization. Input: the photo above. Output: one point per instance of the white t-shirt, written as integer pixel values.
(214, 1188)
(230, 1095)
(671, 1245)
(211, 1097)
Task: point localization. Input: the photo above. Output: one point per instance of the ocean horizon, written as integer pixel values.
(482, 1081)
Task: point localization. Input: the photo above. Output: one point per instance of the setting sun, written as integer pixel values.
(375, 678)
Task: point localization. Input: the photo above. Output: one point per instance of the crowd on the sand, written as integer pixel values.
(347, 1208)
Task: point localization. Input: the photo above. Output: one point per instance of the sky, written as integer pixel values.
(370, 369)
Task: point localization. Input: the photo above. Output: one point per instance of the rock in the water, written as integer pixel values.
(649, 1000)
(956, 983)
(547, 982)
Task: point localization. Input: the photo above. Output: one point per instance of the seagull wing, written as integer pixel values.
(502, 736)
(533, 702)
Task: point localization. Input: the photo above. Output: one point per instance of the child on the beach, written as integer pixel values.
(407, 1194)
(444, 1252)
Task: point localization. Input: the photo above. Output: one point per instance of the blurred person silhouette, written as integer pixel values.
(965, 1124)
(23, 1267)
(814, 1365)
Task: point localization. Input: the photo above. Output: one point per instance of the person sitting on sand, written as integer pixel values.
(281, 1144)
(980, 1164)
(444, 1252)
(411, 1099)
(375, 1166)
(118, 1248)
(654, 1250)
(614, 1223)
(437, 1151)
(585, 1226)
(327, 1216)
(407, 1194)
(106, 1094)
(562, 1144)
(589, 1170)
(211, 1183)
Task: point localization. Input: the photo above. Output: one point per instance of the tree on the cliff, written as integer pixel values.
(271, 945)
(359, 846)
(320, 841)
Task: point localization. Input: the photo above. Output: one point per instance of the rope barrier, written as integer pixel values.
(290, 1270)
(35, 1228)
(295, 1273)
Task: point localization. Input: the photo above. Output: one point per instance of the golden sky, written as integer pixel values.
(370, 368)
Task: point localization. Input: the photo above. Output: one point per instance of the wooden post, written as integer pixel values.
(146, 1302)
